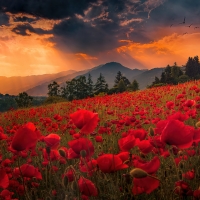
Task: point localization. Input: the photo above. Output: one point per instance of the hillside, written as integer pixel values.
(16, 84)
(42, 89)
(147, 77)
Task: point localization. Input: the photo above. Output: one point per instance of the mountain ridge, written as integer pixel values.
(37, 85)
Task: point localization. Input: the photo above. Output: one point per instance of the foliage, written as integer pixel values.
(100, 85)
(121, 87)
(192, 68)
(53, 89)
(134, 86)
(23, 100)
(77, 88)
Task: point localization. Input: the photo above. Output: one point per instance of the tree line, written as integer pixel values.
(82, 87)
(174, 74)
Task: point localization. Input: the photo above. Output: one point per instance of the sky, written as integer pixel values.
(50, 36)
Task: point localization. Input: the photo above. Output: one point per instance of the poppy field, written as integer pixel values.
(128, 146)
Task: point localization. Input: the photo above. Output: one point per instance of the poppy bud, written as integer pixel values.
(180, 153)
(151, 131)
(83, 153)
(138, 173)
(62, 153)
(197, 124)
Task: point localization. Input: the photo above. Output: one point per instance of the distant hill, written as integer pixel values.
(109, 71)
(147, 77)
(37, 85)
(16, 84)
(42, 89)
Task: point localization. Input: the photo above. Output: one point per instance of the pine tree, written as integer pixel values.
(90, 85)
(189, 68)
(121, 86)
(134, 86)
(101, 85)
(118, 78)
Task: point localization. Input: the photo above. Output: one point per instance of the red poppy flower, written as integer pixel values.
(52, 140)
(138, 133)
(70, 175)
(53, 155)
(26, 137)
(81, 144)
(109, 163)
(144, 185)
(196, 194)
(85, 120)
(98, 138)
(88, 167)
(183, 189)
(170, 105)
(87, 187)
(4, 180)
(160, 126)
(179, 116)
(126, 143)
(150, 167)
(144, 146)
(28, 171)
(189, 175)
(178, 134)
(6, 194)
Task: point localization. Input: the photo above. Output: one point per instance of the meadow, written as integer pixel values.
(133, 145)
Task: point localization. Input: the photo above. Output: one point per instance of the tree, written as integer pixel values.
(53, 89)
(118, 78)
(192, 67)
(90, 85)
(134, 86)
(101, 85)
(121, 86)
(157, 81)
(23, 100)
(81, 88)
(183, 78)
(77, 88)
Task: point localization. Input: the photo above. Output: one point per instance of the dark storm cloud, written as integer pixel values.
(79, 36)
(4, 19)
(51, 9)
(23, 30)
(173, 12)
(98, 30)
(92, 26)
(24, 19)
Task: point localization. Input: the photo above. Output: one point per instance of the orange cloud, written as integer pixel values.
(85, 56)
(169, 49)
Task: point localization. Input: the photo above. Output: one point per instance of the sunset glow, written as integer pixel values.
(93, 34)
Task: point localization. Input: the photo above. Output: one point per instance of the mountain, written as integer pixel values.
(37, 85)
(147, 77)
(109, 71)
(16, 84)
(42, 89)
